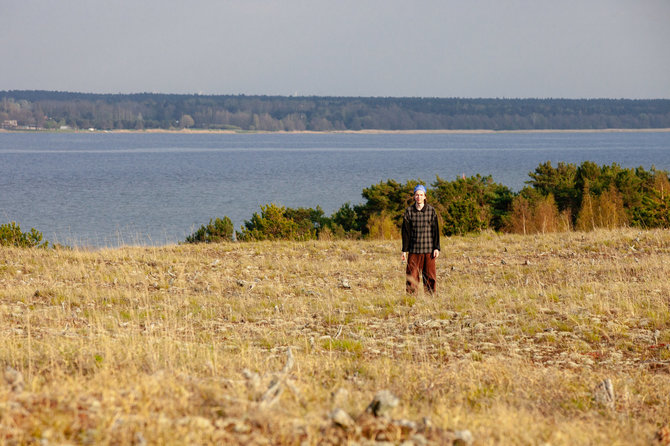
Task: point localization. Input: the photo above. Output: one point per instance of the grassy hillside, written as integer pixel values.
(259, 343)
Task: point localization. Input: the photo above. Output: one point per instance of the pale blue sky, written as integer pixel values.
(440, 48)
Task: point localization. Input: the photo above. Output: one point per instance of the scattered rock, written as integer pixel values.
(383, 402)
(253, 383)
(342, 419)
(247, 285)
(340, 397)
(139, 439)
(345, 284)
(374, 427)
(14, 378)
(463, 438)
(604, 393)
(419, 440)
(267, 393)
(234, 425)
(427, 424)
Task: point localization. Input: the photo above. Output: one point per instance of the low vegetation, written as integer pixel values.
(218, 230)
(556, 199)
(12, 235)
(556, 338)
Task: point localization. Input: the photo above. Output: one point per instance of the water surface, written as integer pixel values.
(109, 189)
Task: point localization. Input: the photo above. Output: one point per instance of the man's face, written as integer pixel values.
(419, 197)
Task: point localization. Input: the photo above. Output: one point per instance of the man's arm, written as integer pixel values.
(405, 233)
(435, 232)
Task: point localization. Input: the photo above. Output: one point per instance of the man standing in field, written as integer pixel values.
(420, 242)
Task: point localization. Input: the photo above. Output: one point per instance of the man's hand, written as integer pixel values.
(436, 253)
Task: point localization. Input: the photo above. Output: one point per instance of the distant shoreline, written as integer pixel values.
(353, 132)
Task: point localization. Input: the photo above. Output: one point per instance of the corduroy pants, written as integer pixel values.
(425, 263)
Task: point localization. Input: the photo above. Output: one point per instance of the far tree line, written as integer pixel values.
(64, 110)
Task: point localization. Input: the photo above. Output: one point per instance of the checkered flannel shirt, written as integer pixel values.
(420, 230)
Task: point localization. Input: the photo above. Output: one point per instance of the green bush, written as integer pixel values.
(555, 199)
(310, 221)
(559, 181)
(346, 218)
(273, 223)
(11, 235)
(390, 198)
(586, 194)
(470, 204)
(464, 205)
(218, 230)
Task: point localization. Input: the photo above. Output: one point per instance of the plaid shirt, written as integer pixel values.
(420, 230)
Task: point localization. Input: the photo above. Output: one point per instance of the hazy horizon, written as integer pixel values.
(565, 49)
(341, 97)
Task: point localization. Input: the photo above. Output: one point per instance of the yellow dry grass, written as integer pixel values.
(180, 344)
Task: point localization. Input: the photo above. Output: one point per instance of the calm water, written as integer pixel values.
(110, 189)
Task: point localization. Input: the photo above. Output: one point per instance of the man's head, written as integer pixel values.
(420, 194)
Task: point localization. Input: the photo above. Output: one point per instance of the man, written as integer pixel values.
(420, 242)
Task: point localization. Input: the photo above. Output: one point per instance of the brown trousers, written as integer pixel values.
(426, 264)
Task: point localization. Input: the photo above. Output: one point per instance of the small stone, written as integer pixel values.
(427, 423)
(341, 418)
(382, 403)
(479, 327)
(407, 425)
(463, 438)
(604, 393)
(345, 284)
(14, 378)
(340, 397)
(419, 440)
(139, 439)
(253, 383)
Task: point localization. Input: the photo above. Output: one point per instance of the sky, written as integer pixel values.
(382, 48)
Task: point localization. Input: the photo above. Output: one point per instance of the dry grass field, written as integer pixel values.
(556, 339)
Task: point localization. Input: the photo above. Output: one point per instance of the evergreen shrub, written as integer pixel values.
(11, 235)
(218, 230)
